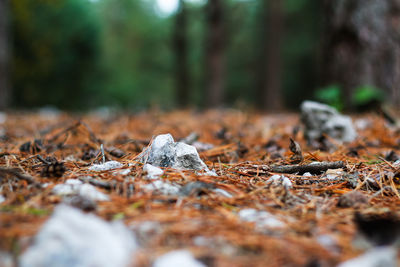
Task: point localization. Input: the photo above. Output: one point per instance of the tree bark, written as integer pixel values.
(215, 53)
(4, 55)
(362, 46)
(270, 67)
(181, 57)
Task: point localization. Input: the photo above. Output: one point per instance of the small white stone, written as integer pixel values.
(152, 171)
(274, 178)
(163, 187)
(90, 192)
(109, 165)
(181, 258)
(286, 182)
(73, 238)
(2, 199)
(262, 219)
(76, 187)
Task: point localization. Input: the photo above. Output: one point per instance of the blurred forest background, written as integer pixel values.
(137, 54)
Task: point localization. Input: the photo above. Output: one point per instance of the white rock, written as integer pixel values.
(181, 258)
(376, 257)
(162, 187)
(322, 119)
(262, 219)
(90, 192)
(2, 199)
(164, 152)
(76, 187)
(109, 165)
(274, 178)
(71, 238)
(152, 171)
(280, 180)
(307, 174)
(286, 182)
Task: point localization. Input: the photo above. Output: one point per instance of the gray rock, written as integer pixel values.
(196, 188)
(164, 152)
(376, 257)
(71, 238)
(322, 119)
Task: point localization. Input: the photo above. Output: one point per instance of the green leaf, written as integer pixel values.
(367, 94)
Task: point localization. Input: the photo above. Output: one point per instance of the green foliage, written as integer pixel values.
(366, 94)
(55, 49)
(302, 33)
(331, 95)
(136, 54)
(82, 53)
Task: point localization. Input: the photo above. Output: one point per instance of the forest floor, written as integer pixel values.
(309, 220)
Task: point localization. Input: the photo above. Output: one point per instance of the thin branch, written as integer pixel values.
(315, 167)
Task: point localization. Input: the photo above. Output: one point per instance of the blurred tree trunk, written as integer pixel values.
(181, 56)
(362, 46)
(4, 54)
(215, 53)
(270, 67)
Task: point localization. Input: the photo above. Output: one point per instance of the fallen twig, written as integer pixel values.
(314, 168)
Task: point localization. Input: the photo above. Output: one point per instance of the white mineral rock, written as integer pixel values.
(164, 152)
(152, 171)
(322, 119)
(162, 187)
(71, 238)
(109, 165)
(262, 219)
(177, 258)
(76, 187)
